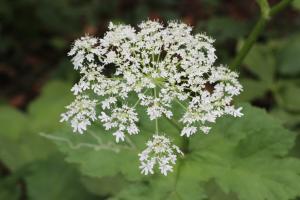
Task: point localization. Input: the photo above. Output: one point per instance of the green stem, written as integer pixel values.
(249, 42)
(185, 145)
(256, 31)
(185, 141)
(279, 7)
(156, 120)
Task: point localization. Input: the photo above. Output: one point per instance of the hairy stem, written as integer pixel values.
(256, 31)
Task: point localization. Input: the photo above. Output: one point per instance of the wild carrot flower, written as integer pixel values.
(162, 66)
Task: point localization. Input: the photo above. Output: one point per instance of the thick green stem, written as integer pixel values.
(249, 42)
(279, 7)
(258, 28)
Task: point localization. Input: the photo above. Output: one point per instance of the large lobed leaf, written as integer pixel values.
(248, 156)
(288, 56)
(20, 142)
(245, 157)
(55, 179)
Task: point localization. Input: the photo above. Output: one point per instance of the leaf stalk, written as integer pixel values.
(266, 14)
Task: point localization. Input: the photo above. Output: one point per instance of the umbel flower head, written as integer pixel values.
(161, 65)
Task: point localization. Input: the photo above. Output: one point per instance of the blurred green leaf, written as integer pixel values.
(163, 188)
(55, 179)
(251, 150)
(98, 158)
(28, 147)
(296, 4)
(289, 96)
(215, 193)
(289, 119)
(288, 57)
(261, 62)
(45, 111)
(215, 27)
(9, 115)
(104, 186)
(252, 89)
(9, 189)
(21, 143)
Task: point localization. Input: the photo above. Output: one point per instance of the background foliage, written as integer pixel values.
(254, 157)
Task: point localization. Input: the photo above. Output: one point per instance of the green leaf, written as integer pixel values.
(21, 143)
(289, 119)
(9, 189)
(296, 4)
(289, 96)
(167, 188)
(288, 57)
(45, 111)
(104, 186)
(213, 26)
(55, 179)
(215, 193)
(9, 115)
(27, 148)
(246, 157)
(252, 89)
(18, 145)
(261, 62)
(96, 153)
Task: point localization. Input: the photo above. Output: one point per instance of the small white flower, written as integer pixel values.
(147, 167)
(80, 113)
(165, 167)
(123, 119)
(107, 102)
(205, 129)
(119, 136)
(188, 131)
(159, 151)
(76, 89)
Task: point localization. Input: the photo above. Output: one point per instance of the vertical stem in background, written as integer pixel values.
(260, 24)
(256, 31)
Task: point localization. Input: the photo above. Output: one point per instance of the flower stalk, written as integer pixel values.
(266, 14)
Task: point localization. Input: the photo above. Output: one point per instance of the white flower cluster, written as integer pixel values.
(80, 113)
(123, 119)
(162, 65)
(159, 151)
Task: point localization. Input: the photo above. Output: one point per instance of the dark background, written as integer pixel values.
(36, 34)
